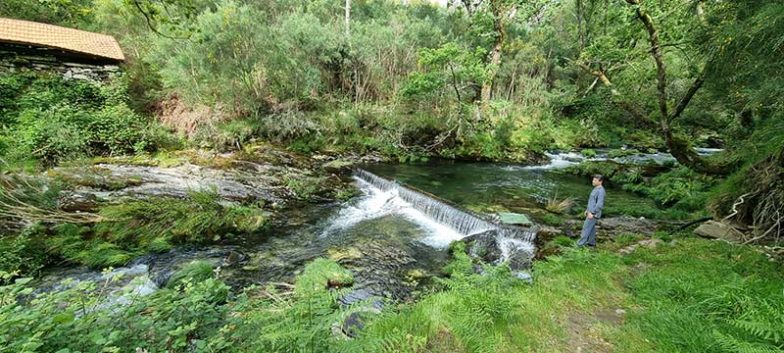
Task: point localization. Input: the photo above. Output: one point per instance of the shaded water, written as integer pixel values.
(497, 187)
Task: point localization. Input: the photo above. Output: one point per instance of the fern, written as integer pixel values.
(764, 324)
(731, 344)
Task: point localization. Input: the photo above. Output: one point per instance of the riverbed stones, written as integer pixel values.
(78, 202)
(344, 254)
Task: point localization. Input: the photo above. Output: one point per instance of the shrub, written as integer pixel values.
(590, 153)
(51, 119)
(195, 271)
(81, 317)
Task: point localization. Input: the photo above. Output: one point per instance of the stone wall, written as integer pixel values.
(12, 60)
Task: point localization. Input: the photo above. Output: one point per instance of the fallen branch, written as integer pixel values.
(687, 225)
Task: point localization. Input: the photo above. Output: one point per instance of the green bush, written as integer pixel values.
(193, 272)
(51, 119)
(590, 153)
(24, 254)
(81, 317)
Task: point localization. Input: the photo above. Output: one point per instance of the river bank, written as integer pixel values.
(352, 259)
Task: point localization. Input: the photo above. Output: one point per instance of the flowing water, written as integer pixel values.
(488, 188)
(388, 237)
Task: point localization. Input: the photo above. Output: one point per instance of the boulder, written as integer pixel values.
(338, 166)
(484, 246)
(719, 230)
(79, 202)
(546, 232)
(617, 225)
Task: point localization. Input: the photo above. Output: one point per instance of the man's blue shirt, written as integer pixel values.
(596, 201)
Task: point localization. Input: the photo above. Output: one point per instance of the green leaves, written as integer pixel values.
(53, 119)
(446, 68)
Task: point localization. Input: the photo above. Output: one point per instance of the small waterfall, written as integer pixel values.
(511, 238)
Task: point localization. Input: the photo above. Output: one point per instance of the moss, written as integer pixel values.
(589, 153)
(322, 274)
(551, 219)
(95, 177)
(347, 253)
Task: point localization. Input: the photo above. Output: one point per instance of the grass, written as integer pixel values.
(688, 295)
(684, 296)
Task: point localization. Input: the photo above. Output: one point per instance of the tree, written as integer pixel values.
(447, 67)
(501, 12)
(679, 148)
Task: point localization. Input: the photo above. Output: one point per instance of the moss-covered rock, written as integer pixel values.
(338, 166)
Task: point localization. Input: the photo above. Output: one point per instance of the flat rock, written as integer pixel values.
(338, 166)
(647, 243)
(514, 219)
(231, 184)
(719, 230)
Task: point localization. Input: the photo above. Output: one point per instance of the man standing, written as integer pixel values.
(592, 213)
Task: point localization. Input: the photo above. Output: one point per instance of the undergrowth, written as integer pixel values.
(688, 295)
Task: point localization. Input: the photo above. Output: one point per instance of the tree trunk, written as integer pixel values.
(495, 53)
(679, 148)
(348, 19)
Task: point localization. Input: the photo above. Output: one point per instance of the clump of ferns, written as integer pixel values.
(760, 330)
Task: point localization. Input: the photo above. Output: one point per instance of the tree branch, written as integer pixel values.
(688, 96)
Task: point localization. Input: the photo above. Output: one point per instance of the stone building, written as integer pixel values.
(73, 53)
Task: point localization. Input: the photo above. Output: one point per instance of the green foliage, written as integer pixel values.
(51, 119)
(590, 153)
(551, 219)
(680, 188)
(626, 239)
(81, 317)
(723, 292)
(200, 218)
(23, 255)
(292, 321)
(195, 271)
(563, 241)
(130, 229)
(68, 13)
(448, 67)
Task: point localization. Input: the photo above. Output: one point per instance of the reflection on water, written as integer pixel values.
(495, 187)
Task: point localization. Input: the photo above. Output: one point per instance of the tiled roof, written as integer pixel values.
(68, 39)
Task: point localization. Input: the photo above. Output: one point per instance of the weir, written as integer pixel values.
(443, 212)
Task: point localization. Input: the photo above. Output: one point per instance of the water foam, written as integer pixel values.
(442, 222)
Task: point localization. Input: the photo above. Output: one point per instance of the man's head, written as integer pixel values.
(598, 179)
